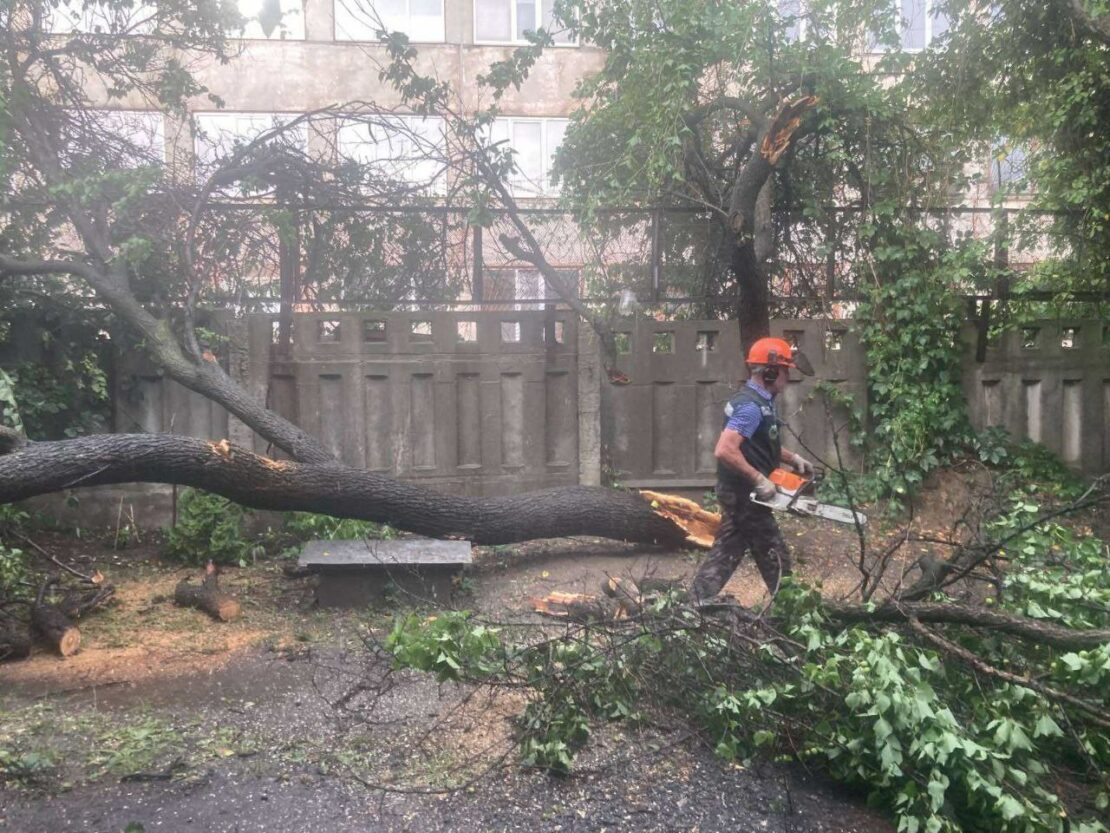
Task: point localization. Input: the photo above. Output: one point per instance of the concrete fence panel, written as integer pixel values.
(1047, 381)
(662, 426)
(817, 423)
(482, 403)
(497, 402)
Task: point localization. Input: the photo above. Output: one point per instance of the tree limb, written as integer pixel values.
(977, 617)
(12, 266)
(1089, 710)
(1095, 25)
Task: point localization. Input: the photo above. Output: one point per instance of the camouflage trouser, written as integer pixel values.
(743, 524)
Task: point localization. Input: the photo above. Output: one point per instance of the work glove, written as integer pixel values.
(764, 488)
(802, 466)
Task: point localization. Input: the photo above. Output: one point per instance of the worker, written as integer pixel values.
(748, 450)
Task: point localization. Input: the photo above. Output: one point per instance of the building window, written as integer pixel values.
(1009, 169)
(919, 23)
(219, 135)
(420, 20)
(522, 289)
(270, 19)
(405, 149)
(506, 21)
(533, 143)
(84, 17)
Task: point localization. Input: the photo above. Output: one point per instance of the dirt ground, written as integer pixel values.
(169, 721)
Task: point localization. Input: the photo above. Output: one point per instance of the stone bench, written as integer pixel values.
(358, 573)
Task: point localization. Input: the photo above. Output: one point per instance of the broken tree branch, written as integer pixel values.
(976, 617)
(60, 565)
(1089, 710)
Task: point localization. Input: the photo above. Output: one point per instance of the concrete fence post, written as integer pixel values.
(589, 407)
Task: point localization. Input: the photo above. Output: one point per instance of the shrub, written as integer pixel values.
(307, 526)
(14, 569)
(209, 527)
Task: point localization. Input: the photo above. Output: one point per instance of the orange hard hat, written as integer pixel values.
(771, 352)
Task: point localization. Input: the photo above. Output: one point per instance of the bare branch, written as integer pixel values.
(1089, 711)
(977, 617)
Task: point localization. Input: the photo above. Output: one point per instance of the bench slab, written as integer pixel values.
(359, 573)
(417, 552)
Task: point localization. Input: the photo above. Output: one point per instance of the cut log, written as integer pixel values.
(579, 607)
(35, 468)
(15, 642)
(208, 597)
(55, 628)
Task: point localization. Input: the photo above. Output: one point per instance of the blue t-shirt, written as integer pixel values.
(745, 419)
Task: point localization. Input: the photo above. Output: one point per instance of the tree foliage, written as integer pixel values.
(94, 208)
(726, 108)
(1033, 79)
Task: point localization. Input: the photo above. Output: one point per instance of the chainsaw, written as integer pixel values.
(794, 494)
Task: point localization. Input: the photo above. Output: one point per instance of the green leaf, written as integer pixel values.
(1047, 727)
(1010, 807)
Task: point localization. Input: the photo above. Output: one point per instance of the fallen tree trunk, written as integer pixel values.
(208, 597)
(34, 468)
(55, 628)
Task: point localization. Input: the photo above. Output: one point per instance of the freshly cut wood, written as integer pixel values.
(579, 607)
(15, 642)
(699, 524)
(208, 596)
(55, 628)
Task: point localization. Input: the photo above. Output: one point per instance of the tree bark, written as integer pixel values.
(749, 215)
(202, 376)
(753, 302)
(35, 468)
(55, 628)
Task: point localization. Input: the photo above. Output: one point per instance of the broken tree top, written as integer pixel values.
(409, 552)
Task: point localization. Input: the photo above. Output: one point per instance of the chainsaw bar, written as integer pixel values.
(812, 508)
(789, 498)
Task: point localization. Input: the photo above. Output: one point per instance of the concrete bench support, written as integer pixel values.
(358, 573)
